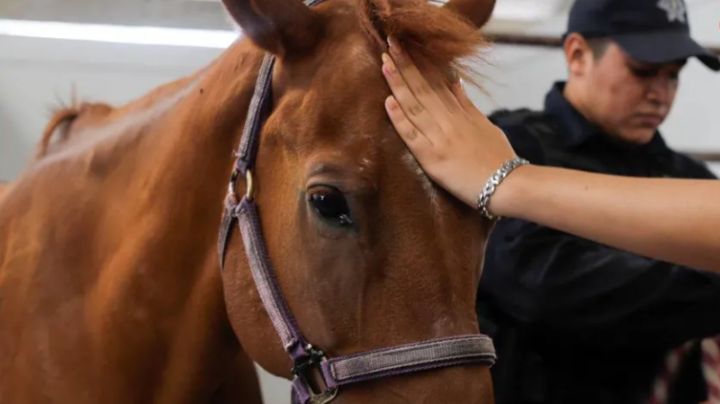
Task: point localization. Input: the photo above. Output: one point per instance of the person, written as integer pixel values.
(580, 321)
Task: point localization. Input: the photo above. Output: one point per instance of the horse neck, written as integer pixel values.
(164, 161)
(182, 140)
(175, 167)
(120, 254)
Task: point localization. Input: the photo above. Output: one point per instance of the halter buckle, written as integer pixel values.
(303, 368)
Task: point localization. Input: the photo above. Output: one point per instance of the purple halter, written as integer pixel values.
(339, 371)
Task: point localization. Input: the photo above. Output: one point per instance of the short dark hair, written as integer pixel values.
(598, 46)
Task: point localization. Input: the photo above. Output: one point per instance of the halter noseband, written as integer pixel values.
(337, 371)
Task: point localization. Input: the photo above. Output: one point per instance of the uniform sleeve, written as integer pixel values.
(515, 125)
(525, 144)
(570, 288)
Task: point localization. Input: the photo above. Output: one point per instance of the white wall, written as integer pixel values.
(37, 74)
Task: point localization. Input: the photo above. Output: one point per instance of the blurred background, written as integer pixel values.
(115, 51)
(108, 51)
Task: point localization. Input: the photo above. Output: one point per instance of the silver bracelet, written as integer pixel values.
(493, 182)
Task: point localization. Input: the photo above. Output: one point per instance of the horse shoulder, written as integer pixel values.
(4, 186)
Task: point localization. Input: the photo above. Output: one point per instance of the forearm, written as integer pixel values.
(459, 148)
(668, 219)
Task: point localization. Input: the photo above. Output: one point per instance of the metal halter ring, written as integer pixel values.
(302, 370)
(249, 187)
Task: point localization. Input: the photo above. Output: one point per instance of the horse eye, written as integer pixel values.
(330, 204)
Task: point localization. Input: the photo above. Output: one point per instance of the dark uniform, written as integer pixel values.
(577, 322)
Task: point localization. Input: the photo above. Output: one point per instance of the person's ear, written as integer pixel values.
(282, 27)
(578, 54)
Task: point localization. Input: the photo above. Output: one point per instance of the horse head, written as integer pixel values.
(368, 252)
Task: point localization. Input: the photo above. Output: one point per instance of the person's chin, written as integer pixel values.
(639, 135)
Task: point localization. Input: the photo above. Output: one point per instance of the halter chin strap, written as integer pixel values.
(308, 360)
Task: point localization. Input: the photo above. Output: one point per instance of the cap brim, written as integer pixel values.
(665, 47)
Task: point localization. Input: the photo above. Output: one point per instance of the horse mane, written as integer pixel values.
(432, 35)
(58, 132)
(59, 124)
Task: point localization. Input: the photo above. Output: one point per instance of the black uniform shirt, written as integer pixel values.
(576, 321)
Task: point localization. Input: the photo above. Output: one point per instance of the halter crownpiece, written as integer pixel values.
(339, 371)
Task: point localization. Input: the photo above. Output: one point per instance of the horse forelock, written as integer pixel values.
(432, 35)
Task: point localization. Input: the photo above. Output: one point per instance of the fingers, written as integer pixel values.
(424, 90)
(444, 91)
(414, 139)
(462, 98)
(414, 111)
(465, 103)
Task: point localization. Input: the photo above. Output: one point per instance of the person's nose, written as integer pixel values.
(661, 89)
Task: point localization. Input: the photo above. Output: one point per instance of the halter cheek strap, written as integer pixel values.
(335, 372)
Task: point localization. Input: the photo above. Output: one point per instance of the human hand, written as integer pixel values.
(456, 145)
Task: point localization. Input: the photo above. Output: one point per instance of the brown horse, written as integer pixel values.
(109, 283)
(66, 124)
(4, 186)
(57, 133)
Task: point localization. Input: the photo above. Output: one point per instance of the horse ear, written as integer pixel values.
(477, 11)
(282, 27)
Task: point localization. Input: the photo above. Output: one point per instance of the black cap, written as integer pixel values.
(652, 31)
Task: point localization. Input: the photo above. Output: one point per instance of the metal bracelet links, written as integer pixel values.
(493, 182)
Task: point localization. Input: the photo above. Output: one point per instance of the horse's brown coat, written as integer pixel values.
(109, 283)
(3, 188)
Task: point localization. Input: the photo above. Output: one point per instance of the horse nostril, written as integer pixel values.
(331, 205)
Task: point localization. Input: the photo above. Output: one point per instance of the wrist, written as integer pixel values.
(493, 185)
(508, 198)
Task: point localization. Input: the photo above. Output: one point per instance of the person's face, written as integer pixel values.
(627, 98)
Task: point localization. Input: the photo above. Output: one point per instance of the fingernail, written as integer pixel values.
(385, 57)
(391, 103)
(388, 68)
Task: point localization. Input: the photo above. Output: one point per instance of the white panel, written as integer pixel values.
(275, 390)
(37, 75)
(119, 33)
